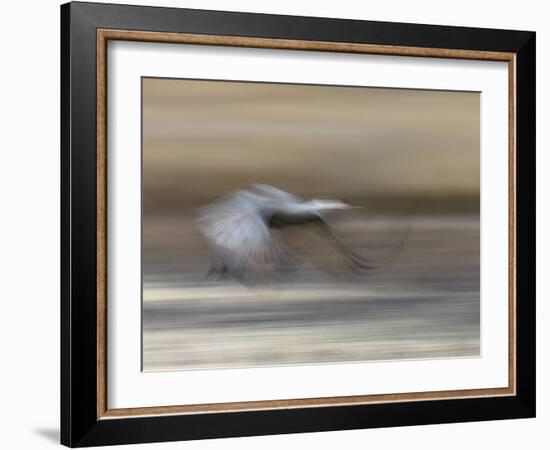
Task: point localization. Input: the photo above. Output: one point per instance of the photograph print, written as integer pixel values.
(295, 224)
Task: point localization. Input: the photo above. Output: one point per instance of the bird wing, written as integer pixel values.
(239, 236)
(353, 260)
(359, 262)
(265, 193)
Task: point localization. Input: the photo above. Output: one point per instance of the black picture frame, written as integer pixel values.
(80, 425)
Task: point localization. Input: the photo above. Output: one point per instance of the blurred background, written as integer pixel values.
(393, 150)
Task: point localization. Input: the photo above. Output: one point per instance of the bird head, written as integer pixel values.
(323, 205)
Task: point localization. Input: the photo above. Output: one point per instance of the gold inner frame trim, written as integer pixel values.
(103, 36)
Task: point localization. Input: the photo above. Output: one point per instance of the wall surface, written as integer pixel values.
(29, 178)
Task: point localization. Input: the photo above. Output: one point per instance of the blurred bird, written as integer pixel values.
(239, 231)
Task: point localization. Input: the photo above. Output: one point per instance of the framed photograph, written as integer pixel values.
(277, 224)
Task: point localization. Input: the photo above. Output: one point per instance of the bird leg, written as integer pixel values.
(217, 267)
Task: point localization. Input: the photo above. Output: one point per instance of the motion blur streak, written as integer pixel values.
(389, 150)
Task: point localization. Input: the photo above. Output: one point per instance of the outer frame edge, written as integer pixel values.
(101, 432)
(526, 222)
(65, 335)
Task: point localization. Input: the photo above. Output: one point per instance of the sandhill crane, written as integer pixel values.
(238, 229)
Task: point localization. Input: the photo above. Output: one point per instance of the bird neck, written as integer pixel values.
(309, 207)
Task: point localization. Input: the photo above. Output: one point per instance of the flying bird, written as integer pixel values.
(239, 230)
